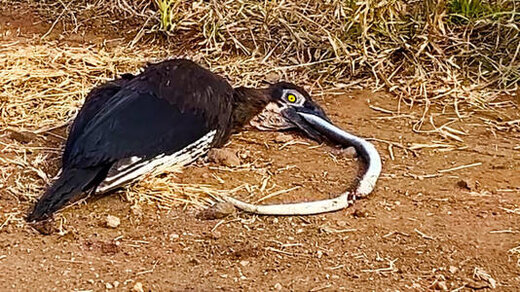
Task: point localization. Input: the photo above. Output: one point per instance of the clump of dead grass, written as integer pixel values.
(441, 55)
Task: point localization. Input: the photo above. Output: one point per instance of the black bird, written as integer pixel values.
(171, 113)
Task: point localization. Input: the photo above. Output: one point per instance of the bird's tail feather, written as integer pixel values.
(71, 185)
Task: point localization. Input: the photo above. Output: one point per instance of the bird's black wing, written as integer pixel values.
(95, 100)
(137, 125)
(164, 109)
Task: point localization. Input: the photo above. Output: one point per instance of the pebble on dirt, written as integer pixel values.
(453, 269)
(112, 221)
(441, 285)
(349, 152)
(138, 287)
(468, 184)
(217, 211)
(225, 157)
(283, 138)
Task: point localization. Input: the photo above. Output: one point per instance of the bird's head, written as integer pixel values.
(288, 106)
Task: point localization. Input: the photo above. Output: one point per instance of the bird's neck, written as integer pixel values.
(247, 103)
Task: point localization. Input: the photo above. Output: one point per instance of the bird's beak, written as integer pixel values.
(299, 117)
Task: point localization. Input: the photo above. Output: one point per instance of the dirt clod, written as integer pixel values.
(225, 157)
(109, 248)
(349, 152)
(468, 184)
(217, 211)
(359, 213)
(283, 138)
(441, 285)
(112, 221)
(453, 269)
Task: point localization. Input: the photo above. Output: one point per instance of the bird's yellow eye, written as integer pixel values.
(291, 98)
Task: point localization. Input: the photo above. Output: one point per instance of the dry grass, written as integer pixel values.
(450, 55)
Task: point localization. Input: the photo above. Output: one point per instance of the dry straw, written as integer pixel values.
(456, 53)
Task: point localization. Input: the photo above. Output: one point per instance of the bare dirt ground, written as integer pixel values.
(441, 217)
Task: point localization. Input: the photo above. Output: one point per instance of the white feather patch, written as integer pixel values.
(127, 170)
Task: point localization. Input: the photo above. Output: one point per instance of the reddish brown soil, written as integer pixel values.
(412, 233)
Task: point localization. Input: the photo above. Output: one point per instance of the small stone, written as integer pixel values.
(453, 269)
(283, 138)
(360, 213)
(243, 155)
(441, 285)
(138, 287)
(90, 281)
(278, 286)
(116, 284)
(174, 236)
(217, 211)
(464, 184)
(319, 254)
(109, 285)
(469, 184)
(225, 157)
(113, 221)
(349, 152)
(272, 77)
(244, 263)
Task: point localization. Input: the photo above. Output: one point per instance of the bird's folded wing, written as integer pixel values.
(134, 124)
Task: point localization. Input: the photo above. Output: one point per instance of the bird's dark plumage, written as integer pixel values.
(94, 102)
(127, 123)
